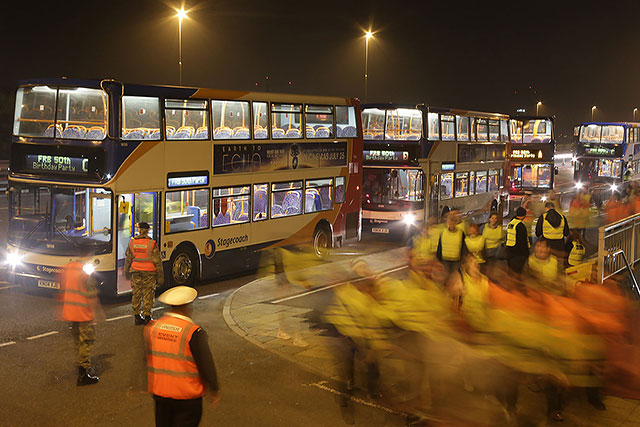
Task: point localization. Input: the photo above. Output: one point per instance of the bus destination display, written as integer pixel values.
(56, 164)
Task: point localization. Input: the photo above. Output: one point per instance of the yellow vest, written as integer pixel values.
(475, 244)
(511, 232)
(451, 243)
(552, 233)
(492, 236)
(546, 269)
(577, 253)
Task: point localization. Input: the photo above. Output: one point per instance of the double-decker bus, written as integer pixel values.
(428, 161)
(607, 153)
(531, 156)
(218, 175)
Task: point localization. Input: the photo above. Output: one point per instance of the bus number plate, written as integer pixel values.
(48, 284)
(380, 230)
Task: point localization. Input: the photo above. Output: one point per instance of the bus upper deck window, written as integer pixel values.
(433, 125)
(260, 120)
(462, 127)
(286, 121)
(346, 126)
(447, 126)
(494, 130)
(319, 121)
(482, 130)
(140, 117)
(186, 119)
(403, 124)
(230, 119)
(373, 124)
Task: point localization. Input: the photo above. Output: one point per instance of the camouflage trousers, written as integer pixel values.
(143, 286)
(84, 336)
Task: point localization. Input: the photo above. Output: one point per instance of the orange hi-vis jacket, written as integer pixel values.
(142, 250)
(76, 305)
(171, 369)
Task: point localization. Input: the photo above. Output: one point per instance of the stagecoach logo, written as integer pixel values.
(231, 241)
(50, 270)
(209, 249)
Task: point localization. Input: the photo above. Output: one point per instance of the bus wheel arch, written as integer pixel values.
(184, 265)
(322, 238)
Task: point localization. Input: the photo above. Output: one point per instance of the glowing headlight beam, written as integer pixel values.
(409, 219)
(88, 268)
(14, 259)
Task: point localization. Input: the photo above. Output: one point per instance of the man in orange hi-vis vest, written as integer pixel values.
(80, 307)
(180, 367)
(143, 267)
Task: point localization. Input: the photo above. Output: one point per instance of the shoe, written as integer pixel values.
(147, 319)
(86, 376)
(139, 319)
(283, 335)
(598, 404)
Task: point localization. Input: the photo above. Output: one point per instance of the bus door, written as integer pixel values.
(134, 208)
(432, 196)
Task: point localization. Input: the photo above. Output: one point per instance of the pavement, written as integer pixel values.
(260, 309)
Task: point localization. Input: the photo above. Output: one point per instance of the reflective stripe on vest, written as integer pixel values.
(142, 250)
(492, 236)
(577, 253)
(171, 369)
(475, 244)
(451, 243)
(75, 300)
(511, 232)
(550, 232)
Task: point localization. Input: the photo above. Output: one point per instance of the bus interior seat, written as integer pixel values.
(413, 136)
(184, 132)
(222, 219)
(259, 203)
(292, 200)
(347, 132)
(133, 134)
(95, 132)
(202, 133)
(311, 133)
(222, 132)
(74, 132)
(276, 210)
(49, 131)
(260, 133)
(194, 211)
(152, 134)
(170, 131)
(241, 133)
(293, 133)
(312, 199)
(277, 133)
(323, 132)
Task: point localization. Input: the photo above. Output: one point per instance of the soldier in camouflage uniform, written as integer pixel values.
(143, 267)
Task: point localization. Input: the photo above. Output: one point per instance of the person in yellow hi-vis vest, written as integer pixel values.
(475, 243)
(543, 268)
(492, 233)
(575, 248)
(517, 243)
(451, 245)
(425, 245)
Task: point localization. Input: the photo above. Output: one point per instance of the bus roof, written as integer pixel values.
(444, 110)
(627, 124)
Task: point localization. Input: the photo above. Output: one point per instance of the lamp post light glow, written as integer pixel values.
(634, 113)
(181, 15)
(538, 107)
(593, 110)
(367, 36)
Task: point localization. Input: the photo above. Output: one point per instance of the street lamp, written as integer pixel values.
(593, 109)
(538, 107)
(634, 113)
(367, 36)
(181, 15)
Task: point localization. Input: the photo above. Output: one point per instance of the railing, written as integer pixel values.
(617, 241)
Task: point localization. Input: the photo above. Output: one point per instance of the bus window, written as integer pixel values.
(286, 120)
(373, 124)
(482, 130)
(286, 199)
(504, 131)
(494, 130)
(472, 183)
(610, 168)
(230, 119)
(318, 195)
(468, 153)
(462, 184)
(462, 124)
(516, 131)
(403, 124)
(447, 124)
(340, 189)
(472, 127)
(446, 186)
(496, 152)
(481, 182)
(230, 205)
(140, 117)
(346, 126)
(260, 201)
(544, 173)
(433, 126)
(82, 113)
(186, 119)
(612, 134)
(590, 133)
(260, 120)
(34, 113)
(186, 210)
(494, 180)
(319, 121)
(527, 176)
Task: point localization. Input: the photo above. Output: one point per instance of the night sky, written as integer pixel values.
(480, 55)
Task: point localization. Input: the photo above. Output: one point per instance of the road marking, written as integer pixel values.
(4, 344)
(46, 334)
(156, 308)
(8, 287)
(208, 296)
(322, 385)
(324, 288)
(118, 318)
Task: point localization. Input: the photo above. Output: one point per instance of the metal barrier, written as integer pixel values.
(614, 239)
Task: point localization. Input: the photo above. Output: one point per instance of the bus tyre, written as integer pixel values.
(184, 265)
(322, 241)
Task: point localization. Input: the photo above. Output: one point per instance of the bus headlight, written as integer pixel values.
(579, 185)
(14, 259)
(409, 219)
(543, 198)
(88, 268)
(614, 187)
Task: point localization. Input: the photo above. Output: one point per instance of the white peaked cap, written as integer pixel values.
(180, 295)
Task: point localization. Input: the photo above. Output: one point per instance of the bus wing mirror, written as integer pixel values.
(555, 170)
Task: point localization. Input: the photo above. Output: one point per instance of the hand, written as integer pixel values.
(214, 399)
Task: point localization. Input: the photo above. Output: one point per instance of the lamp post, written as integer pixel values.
(538, 107)
(593, 110)
(181, 15)
(634, 113)
(367, 36)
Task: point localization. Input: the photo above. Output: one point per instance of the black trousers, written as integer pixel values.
(516, 263)
(178, 413)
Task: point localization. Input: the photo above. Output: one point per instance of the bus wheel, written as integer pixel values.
(183, 267)
(321, 241)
